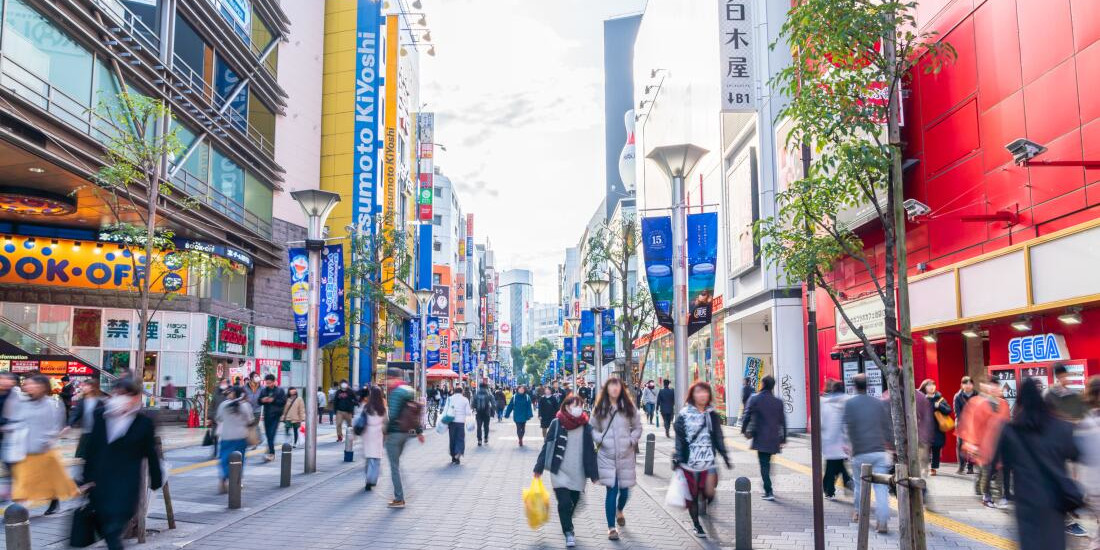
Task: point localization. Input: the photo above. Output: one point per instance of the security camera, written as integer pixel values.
(1024, 149)
(914, 208)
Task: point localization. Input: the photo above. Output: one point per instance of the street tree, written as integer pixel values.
(536, 357)
(613, 248)
(852, 60)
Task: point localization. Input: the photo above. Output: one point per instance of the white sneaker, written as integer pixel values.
(570, 540)
(1003, 504)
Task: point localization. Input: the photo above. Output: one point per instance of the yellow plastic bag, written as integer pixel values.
(537, 503)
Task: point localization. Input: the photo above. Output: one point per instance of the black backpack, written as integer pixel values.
(484, 402)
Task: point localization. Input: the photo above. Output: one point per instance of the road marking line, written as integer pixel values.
(933, 518)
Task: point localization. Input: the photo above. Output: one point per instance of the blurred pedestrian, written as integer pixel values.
(373, 435)
(458, 408)
(216, 400)
(548, 409)
(584, 391)
(1087, 434)
(986, 414)
(252, 388)
(168, 390)
(235, 421)
(699, 440)
(521, 410)
(35, 422)
(404, 422)
(570, 454)
(122, 444)
(501, 402)
(1036, 445)
(938, 408)
(273, 401)
(747, 389)
(649, 401)
(331, 405)
(322, 405)
(616, 428)
(765, 423)
(666, 405)
(962, 397)
(834, 441)
(90, 399)
(868, 428)
(484, 405)
(294, 414)
(343, 402)
(1066, 403)
(68, 390)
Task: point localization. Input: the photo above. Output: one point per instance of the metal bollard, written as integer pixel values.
(742, 503)
(284, 475)
(236, 467)
(650, 450)
(17, 527)
(864, 506)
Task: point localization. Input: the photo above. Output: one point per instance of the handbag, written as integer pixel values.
(946, 422)
(448, 413)
(83, 532)
(15, 445)
(207, 439)
(1069, 494)
(360, 424)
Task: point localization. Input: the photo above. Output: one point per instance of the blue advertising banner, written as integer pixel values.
(424, 266)
(299, 291)
(467, 358)
(567, 344)
(365, 148)
(702, 256)
(412, 339)
(432, 342)
(607, 339)
(657, 251)
(331, 309)
(588, 337)
(560, 360)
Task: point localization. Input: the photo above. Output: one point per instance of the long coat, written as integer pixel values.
(1040, 524)
(764, 413)
(520, 406)
(617, 442)
(548, 407)
(938, 403)
(115, 468)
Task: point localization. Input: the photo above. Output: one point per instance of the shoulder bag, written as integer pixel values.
(945, 421)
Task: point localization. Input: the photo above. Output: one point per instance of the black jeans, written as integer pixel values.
(667, 417)
(765, 470)
(834, 467)
(521, 428)
(483, 422)
(934, 452)
(271, 427)
(567, 502)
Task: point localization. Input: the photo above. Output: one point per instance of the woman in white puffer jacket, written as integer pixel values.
(616, 429)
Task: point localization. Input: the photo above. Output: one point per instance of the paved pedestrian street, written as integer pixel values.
(478, 505)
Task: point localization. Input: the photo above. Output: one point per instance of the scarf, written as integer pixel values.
(570, 422)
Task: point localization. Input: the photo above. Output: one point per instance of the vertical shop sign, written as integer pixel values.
(607, 338)
(389, 140)
(431, 342)
(567, 345)
(413, 339)
(331, 308)
(702, 255)
(588, 337)
(425, 123)
(736, 41)
(657, 252)
(299, 291)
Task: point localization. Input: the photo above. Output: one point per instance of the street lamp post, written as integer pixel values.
(597, 286)
(475, 343)
(677, 161)
(423, 296)
(460, 329)
(316, 205)
(575, 323)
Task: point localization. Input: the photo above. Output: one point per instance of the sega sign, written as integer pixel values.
(1037, 348)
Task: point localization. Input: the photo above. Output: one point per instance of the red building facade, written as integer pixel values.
(981, 289)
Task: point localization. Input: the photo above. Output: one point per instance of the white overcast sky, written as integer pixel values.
(517, 88)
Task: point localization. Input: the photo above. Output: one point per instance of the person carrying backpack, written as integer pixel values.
(405, 414)
(485, 406)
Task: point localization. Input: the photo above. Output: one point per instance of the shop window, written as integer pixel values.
(197, 165)
(225, 287)
(225, 82)
(257, 197)
(116, 362)
(262, 121)
(54, 323)
(24, 315)
(146, 12)
(45, 56)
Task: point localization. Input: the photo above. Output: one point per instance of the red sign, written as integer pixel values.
(76, 368)
(20, 367)
(233, 334)
(278, 344)
(425, 211)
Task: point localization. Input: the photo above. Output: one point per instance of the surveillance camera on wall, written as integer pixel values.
(1024, 149)
(914, 208)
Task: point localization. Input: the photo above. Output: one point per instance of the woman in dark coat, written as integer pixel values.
(1037, 445)
(548, 409)
(122, 438)
(521, 407)
(938, 438)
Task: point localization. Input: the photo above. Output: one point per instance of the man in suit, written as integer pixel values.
(122, 440)
(766, 424)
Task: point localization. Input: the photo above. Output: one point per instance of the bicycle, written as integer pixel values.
(433, 413)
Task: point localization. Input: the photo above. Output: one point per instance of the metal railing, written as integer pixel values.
(198, 188)
(257, 50)
(131, 23)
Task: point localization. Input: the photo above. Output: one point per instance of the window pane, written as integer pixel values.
(228, 179)
(225, 80)
(257, 197)
(188, 46)
(145, 10)
(261, 37)
(43, 51)
(262, 119)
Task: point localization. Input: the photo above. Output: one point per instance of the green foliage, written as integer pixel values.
(536, 357)
(365, 269)
(206, 371)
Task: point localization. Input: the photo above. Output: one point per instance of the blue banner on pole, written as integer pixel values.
(588, 337)
(299, 291)
(424, 267)
(331, 309)
(365, 148)
(657, 251)
(702, 256)
(607, 338)
(412, 340)
(467, 359)
(567, 352)
(432, 342)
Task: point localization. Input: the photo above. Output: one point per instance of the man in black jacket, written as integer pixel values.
(121, 440)
(666, 404)
(343, 402)
(484, 405)
(966, 391)
(272, 399)
(548, 407)
(766, 423)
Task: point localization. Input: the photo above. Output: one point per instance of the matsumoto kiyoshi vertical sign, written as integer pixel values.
(657, 250)
(736, 41)
(607, 338)
(368, 56)
(702, 255)
(299, 291)
(588, 337)
(331, 309)
(389, 141)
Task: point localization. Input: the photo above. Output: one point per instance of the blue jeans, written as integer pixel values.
(880, 464)
(395, 445)
(226, 448)
(615, 502)
(374, 465)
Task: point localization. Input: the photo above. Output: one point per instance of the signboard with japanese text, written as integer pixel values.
(84, 264)
(702, 256)
(432, 342)
(737, 41)
(118, 329)
(330, 323)
(299, 290)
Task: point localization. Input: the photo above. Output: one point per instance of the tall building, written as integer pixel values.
(220, 73)
(516, 294)
(542, 322)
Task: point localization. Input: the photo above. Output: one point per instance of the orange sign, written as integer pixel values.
(85, 264)
(59, 368)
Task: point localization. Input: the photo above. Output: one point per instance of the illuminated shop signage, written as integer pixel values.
(1037, 348)
(84, 264)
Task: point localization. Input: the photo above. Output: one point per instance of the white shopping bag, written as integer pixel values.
(678, 494)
